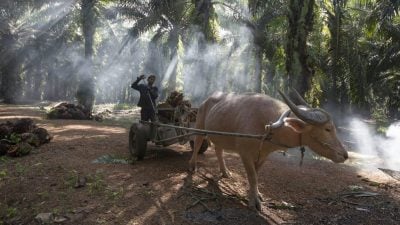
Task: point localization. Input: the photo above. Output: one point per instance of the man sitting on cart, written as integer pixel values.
(148, 96)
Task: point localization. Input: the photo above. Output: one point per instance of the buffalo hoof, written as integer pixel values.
(260, 197)
(255, 202)
(255, 205)
(192, 166)
(226, 174)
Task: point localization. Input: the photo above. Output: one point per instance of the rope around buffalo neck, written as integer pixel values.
(267, 136)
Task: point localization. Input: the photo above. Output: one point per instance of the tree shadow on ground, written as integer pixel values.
(160, 190)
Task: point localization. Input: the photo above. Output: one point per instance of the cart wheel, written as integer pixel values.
(137, 142)
(132, 140)
(203, 148)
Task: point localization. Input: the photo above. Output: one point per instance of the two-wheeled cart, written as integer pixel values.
(171, 128)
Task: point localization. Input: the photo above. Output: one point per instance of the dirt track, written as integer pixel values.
(159, 190)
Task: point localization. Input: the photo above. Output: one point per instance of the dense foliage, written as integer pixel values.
(339, 52)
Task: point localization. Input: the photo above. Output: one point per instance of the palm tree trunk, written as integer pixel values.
(300, 17)
(85, 93)
(204, 14)
(10, 82)
(258, 69)
(50, 84)
(37, 83)
(337, 68)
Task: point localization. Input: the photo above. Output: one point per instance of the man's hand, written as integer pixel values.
(141, 77)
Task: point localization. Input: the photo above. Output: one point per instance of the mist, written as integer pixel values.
(197, 68)
(200, 68)
(219, 67)
(374, 150)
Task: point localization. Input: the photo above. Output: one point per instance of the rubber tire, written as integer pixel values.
(137, 142)
(132, 140)
(203, 148)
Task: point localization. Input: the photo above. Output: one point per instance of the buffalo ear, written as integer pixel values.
(297, 125)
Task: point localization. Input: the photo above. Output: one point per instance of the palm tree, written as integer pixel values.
(267, 38)
(9, 34)
(166, 21)
(300, 18)
(384, 58)
(85, 93)
(169, 22)
(26, 26)
(203, 15)
(336, 61)
(363, 55)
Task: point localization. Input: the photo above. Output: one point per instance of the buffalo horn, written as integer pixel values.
(298, 100)
(309, 115)
(279, 122)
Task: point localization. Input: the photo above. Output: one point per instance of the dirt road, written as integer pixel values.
(82, 177)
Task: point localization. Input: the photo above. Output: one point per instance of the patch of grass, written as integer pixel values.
(44, 195)
(3, 174)
(96, 184)
(20, 169)
(123, 106)
(71, 179)
(63, 195)
(4, 159)
(147, 193)
(11, 212)
(113, 194)
(112, 159)
(56, 211)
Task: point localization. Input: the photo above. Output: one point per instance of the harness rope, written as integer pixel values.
(267, 136)
(264, 138)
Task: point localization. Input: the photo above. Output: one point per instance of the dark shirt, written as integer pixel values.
(145, 90)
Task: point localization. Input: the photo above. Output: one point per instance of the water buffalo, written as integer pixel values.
(248, 114)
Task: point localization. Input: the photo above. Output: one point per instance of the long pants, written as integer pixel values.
(147, 114)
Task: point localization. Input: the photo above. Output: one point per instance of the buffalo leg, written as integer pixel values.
(249, 165)
(198, 140)
(258, 165)
(222, 166)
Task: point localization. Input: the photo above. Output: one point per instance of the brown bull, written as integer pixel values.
(248, 114)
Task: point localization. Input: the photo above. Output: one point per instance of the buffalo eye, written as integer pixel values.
(327, 129)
